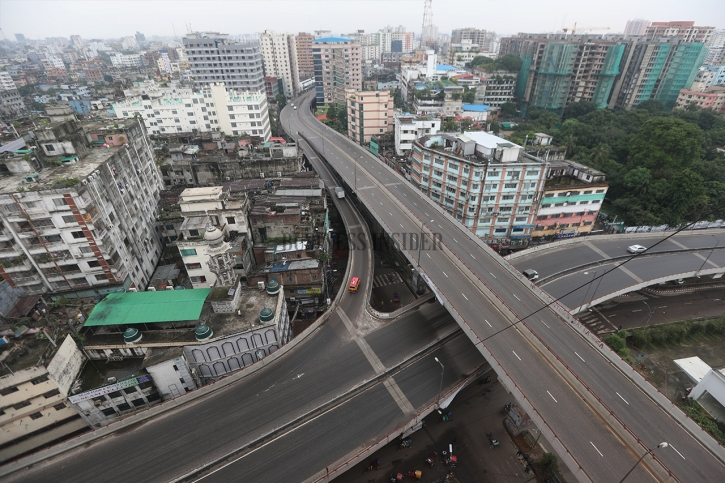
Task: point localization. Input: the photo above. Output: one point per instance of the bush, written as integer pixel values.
(641, 337)
(693, 410)
(616, 342)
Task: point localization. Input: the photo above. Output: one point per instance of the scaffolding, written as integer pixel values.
(608, 74)
(680, 72)
(554, 76)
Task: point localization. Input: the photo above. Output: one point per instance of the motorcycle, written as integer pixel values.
(447, 416)
(406, 443)
(494, 441)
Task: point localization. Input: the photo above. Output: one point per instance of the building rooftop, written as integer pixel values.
(57, 177)
(293, 265)
(198, 192)
(148, 307)
(489, 140)
(194, 223)
(331, 40)
(475, 107)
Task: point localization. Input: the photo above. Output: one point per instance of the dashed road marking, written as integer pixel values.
(517, 356)
(620, 397)
(600, 453)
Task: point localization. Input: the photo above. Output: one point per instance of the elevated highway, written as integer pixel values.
(573, 271)
(593, 408)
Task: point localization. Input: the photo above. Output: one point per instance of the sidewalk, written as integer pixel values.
(477, 410)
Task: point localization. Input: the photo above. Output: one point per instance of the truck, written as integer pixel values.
(339, 192)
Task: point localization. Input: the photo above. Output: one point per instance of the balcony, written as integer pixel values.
(23, 281)
(37, 213)
(17, 264)
(10, 252)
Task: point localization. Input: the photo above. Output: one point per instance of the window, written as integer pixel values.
(109, 411)
(21, 404)
(86, 250)
(39, 380)
(8, 390)
(124, 407)
(78, 234)
(37, 415)
(542, 217)
(188, 252)
(114, 394)
(52, 238)
(69, 219)
(59, 407)
(510, 185)
(50, 394)
(100, 278)
(231, 220)
(49, 147)
(94, 264)
(60, 202)
(193, 266)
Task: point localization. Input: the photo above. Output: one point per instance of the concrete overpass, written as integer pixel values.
(597, 412)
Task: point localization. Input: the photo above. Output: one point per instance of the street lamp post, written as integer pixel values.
(589, 287)
(649, 451)
(440, 386)
(708, 256)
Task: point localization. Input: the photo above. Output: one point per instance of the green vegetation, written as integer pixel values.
(676, 332)
(337, 117)
(706, 422)
(510, 63)
(618, 342)
(281, 101)
(662, 167)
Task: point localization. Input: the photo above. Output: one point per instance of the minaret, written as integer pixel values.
(220, 261)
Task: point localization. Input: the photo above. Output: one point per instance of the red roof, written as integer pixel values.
(277, 140)
(322, 117)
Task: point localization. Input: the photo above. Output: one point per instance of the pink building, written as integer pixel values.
(712, 98)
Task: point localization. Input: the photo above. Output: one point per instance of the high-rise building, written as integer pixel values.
(687, 31)
(305, 67)
(636, 27)
(369, 113)
(338, 66)
(79, 216)
(20, 37)
(279, 55)
(11, 103)
(214, 57)
(559, 69)
(77, 41)
(484, 39)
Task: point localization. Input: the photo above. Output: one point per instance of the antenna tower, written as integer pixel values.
(427, 22)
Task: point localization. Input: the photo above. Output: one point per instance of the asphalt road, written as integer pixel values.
(596, 449)
(329, 363)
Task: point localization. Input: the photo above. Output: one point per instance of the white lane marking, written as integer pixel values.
(405, 195)
(453, 238)
(472, 256)
(390, 213)
(580, 357)
(427, 255)
(547, 325)
(517, 356)
(444, 273)
(426, 214)
(494, 276)
(489, 324)
(620, 397)
(552, 397)
(416, 204)
(401, 226)
(516, 297)
(464, 296)
(440, 227)
(381, 203)
(600, 453)
(677, 452)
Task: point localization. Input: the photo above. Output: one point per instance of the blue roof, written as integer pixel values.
(445, 67)
(331, 39)
(475, 107)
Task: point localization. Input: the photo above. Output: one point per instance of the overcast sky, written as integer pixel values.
(38, 19)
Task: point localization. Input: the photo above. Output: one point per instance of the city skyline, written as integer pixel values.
(162, 18)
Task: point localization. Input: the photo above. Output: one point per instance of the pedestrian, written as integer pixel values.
(519, 453)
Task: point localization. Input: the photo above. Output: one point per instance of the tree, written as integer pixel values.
(495, 127)
(398, 99)
(469, 95)
(666, 145)
(509, 62)
(332, 112)
(281, 101)
(653, 107)
(508, 110)
(449, 125)
(574, 110)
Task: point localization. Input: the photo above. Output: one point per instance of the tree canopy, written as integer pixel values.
(509, 62)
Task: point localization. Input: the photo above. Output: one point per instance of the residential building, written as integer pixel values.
(479, 37)
(215, 58)
(208, 213)
(711, 98)
(559, 69)
(369, 113)
(272, 87)
(34, 411)
(53, 62)
(78, 215)
(129, 43)
(487, 183)
(338, 66)
(573, 195)
(494, 88)
(636, 27)
(212, 109)
(717, 75)
(77, 41)
(413, 77)
(656, 68)
(409, 127)
(687, 31)
(279, 55)
(126, 60)
(11, 103)
(305, 66)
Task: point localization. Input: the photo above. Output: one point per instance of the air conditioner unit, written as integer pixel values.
(227, 178)
(279, 174)
(261, 175)
(84, 182)
(132, 290)
(151, 289)
(260, 285)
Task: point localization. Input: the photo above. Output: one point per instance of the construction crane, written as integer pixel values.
(574, 29)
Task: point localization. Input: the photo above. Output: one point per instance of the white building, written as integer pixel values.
(129, 43)
(213, 109)
(279, 54)
(409, 127)
(210, 207)
(487, 183)
(6, 82)
(86, 221)
(126, 60)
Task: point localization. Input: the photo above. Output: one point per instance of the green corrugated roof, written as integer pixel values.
(148, 307)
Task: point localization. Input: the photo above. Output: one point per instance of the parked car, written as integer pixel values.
(531, 274)
(636, 249)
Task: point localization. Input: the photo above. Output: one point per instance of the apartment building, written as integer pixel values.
(209, 213)
(636, 27)
(711, 98)
(494, 88)
(79, 216)
(687, 31)
(573, 195)
(369, 113)
(305, 66)
(409, 127)
(212, 109)
(11, 103)
(338, 66)
(559, 69)
(487, 183)
(279, 55)
(126, 60)
(215, 58)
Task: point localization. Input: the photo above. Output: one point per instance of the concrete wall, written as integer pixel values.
(172, 378)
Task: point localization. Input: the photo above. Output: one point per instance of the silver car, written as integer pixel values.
(636, 249)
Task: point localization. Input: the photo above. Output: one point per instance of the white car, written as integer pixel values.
(636, 249)
(295, 108)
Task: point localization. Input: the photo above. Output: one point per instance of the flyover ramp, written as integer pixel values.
(395, 203)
